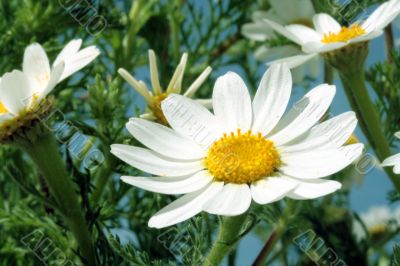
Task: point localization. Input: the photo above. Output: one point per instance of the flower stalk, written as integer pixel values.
(42, 147)
(230, 230)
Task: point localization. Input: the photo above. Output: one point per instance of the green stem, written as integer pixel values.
(229, 233)
(103, 176)
(354, 84)
(44, 152)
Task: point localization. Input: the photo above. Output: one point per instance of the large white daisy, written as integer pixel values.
(20, 90)
(158, 94)
(328, 35)
(245, 150)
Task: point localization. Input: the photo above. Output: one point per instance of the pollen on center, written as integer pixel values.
(345, 34)
(3, 109)
(242, 158)
(157, 108)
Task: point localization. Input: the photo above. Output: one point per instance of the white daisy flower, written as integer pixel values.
(283, 12)
(393, 160)
(154, 98)
(245, 150)
(21, 90)
(328, 35)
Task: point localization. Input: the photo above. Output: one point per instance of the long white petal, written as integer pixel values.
(185, 207)
(304, 114)
(170, 185)
(164, 140)
(284, 31)
(69, 50)
(382, 16)
(271, 189)
(192, 120)
(232, 103)
(55, 76)
(271, 98)
(312, 189)
(319, 163)
(304, 33)
(392, 160)
(234, 199)
(36, 67)
(137, 86)
(15, 92)
(294, 61)
(325, 24)
(332, 133)
(150, 162)
(79, 60)
(319, 47)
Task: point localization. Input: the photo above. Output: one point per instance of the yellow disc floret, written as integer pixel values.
(242, 158)
(344, 35)
(157, 108)
(3, 109)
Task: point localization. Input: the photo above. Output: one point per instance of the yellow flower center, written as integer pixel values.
(157, 108)
(352, 140)
(3, 109)
(344, 35)
(242, 158)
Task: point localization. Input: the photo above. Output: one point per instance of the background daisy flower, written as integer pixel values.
(328, 35)
(154, 98)
(245, 150)
(21, 90)
(283, 12)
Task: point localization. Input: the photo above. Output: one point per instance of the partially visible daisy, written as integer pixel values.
(283, 12)
(245, 150)
(328, 35)
(393, 160)
(378, 220)
(22, 90)
(158, 94)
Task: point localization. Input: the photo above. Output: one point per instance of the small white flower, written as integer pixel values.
(329, 35)
(283, 12)
(155, 97)
(393, 160)
(245, 150)
(20, 90)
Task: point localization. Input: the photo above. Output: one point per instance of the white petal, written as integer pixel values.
(137, 85)
(234, 199)
(332, 133)
(185, 207)
(284, 31)
(36, 67)
(304, 33)
(392, 160)
(55, 76)
(170, 185)
(294, 61)
(304, 114)
(232, 103)
(79, 60)
(256, 31)
(314, 189)
(396, 169)
(319, 47)
(319, 163)
(150, 162)
(15, 92)
(397, 134)
(271, 98)
(326, 24)
(367, 37)
(164, 140)
(382, 16)
(192, 120)
(69, 50)
(271, 189)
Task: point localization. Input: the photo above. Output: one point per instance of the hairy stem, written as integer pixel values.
(229, 233)
(43, 150)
